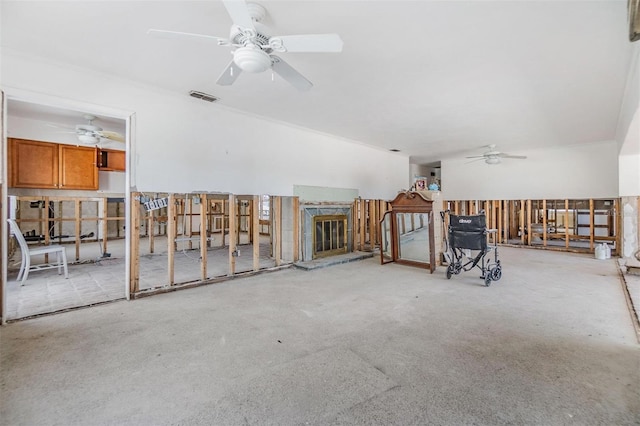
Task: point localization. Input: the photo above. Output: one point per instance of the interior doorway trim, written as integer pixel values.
(11, 93)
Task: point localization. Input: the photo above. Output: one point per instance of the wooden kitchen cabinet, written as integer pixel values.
(111, 160)
(34, 164)
(78, 167)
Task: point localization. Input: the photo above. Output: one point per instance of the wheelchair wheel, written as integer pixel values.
(487, 279)
(496, 273)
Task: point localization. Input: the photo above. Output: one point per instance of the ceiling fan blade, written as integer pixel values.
(285, 71)
(239, 13)
(177, 35)
(476, 156)
(57, 126)
(114, 136)
(229, 75)
(318, 43)
(520, 157)
(474, 159)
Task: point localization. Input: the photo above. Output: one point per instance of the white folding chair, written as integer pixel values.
(25, 264)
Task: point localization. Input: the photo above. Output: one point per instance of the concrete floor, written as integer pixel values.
(552, 342)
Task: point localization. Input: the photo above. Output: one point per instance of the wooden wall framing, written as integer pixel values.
(224, 215)
(554, 224)
(52, 216)
(366, 217)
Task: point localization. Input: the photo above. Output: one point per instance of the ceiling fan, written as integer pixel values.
(255, 46)
(494, 156)
(91, 134)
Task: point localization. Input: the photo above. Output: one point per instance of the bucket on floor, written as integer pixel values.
(601, 252)
(607, 251)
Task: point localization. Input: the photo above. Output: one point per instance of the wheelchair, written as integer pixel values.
(465, 235)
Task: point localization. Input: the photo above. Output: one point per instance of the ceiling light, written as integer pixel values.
(492, 160)
(88, 139)
(252, 59)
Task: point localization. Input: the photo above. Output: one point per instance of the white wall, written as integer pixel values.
(631, 99)
(578, 171)
(182, 144)
(628, 132)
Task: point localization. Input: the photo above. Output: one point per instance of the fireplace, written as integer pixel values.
(325, 230)
(329, 235)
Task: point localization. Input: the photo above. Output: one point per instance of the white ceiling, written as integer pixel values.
(434, 79)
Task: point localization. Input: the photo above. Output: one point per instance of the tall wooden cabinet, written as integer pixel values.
(34, 164)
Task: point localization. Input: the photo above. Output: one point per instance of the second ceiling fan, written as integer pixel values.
(493, 156)
(255, 47)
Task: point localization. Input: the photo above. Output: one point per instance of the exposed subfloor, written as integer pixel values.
(552, 342)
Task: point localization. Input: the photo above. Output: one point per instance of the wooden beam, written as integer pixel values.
(204, 211)
(521, 213)
(151, 228)
(78, 213)
(296, 229)
(44, 221)
(303, 230)
(488, 217)
(238, 211)
(277, 226)
(566, 223)
(134, 244)
(618, 216)
(232, 235)
(255, 227)
(171, 238)
(377, 208)
(372, 224)
(363, 222)
(250, 221)
(105, 225)
(544, 223)
(529, 214)
(505, 221)
(224, 222)
(499, 215)
(354, 226)
(591, 225)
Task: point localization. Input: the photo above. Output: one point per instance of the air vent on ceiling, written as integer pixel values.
(204, 96)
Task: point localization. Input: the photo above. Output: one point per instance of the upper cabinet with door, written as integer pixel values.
(34, 164)
(111, 160)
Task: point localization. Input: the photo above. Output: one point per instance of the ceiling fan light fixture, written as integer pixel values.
(252, 59)
(88, 139)
(492, 160)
